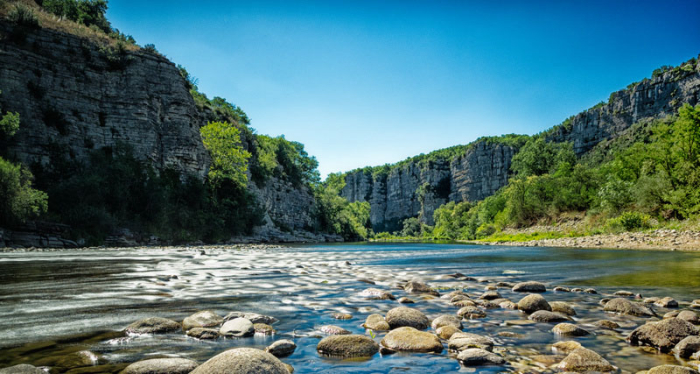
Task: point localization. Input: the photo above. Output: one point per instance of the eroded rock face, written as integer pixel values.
(582, 360)
(242, 361)
(348, 346)
(663, 335)
(161, 366)
(408, 339)
(403, 316)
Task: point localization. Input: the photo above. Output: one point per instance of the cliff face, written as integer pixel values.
(484, 167)
(74, 97)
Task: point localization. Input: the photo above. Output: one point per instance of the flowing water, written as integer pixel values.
(54, 303)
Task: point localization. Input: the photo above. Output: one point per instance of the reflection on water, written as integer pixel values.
(54, 303)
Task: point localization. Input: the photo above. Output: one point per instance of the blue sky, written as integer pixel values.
(372, 82)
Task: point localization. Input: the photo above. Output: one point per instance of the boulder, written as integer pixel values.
(569, 329)
(263, 329)
(377, 294)
(347, 346)
(688, 346)
(477, 356)
(671, 369)
(532, 303)
(408, 339)
(689, 316)
(507, 304)
(605, 324)
(582, 360)
(663, 335)
(562, 307)
(22, 369)
(237, 327)
(529, 287)
(376, 322)
(281, 348)
(460, 341)
(161, 366)
(546, 316)
(590, 291)
(471, 312)
(242, 361)
(625, 306)
(404, 316)
(624, 294)
(490, 295)
(202, 333)
(418, 287)
(566, 346)
(446, 320)
(205, 318)
(153, 325)
(667, 302)
(445, 332)
(334, 330)
(80, 359)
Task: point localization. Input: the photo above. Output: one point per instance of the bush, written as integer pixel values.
(18, 200)
(229, 159)
(86, 12)
(23, 16)
(9, 124)
(629, 221)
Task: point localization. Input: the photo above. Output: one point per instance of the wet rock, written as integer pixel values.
(504, 285)
(465, 302)
(671, 369)
(161, 366)
(237, 327)
(252, 317)
(491, 295)
(663, 335)
(153, 325)
(624, 294)
(281, 348)
(490, 287)
(477, 356)
(532, 303)
(487, 304)
(242, 361)
(561, 289)
(463, 340)
(446, 332)
(347, 346)
(529, 287)
(590, 290)
(403, 316)
(689, 316)
(605, 324)
(510, 334)
(624, 306)
(289, 367)
(651, 300)
(471, 312)
(507, 304)
(667, 302)
(342, 316)
(334, 330)
(566, 347)
(405, 300)
(569, 329)
(688, 346)
(446, 320)
(203, 333)
(263, 329)
(582, 360)
(563, 308)
(22, 369)
(205, 318)
(377, 294)
(577, 290)
(546, 316)
(418, 287)
(376, 322)
(671, 314)
(408, 339)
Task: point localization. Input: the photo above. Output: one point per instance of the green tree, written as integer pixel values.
(229, 159)
(538, 157)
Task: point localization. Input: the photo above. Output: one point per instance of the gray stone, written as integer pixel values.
(377, 294)
(569, 329)
(445, 332)
(667, 302)
(237, 327)
(624, 306)
(460, 341)
(663, 335)
(689, 316)
(334, 330)
(582, 360)
(688, 346)
(403, 316)
(471, 312)
(347, 346)
(205, 318)
(153, 325)
(530, 286)
(281, 348)
(376, 322)
(477, 356)
(22, 369)
(490, 295)
(161, 366)
(532, 303)
(671, 369)
(418, 287)
(563, 308)
(446, 320)
(408, 339)
(242, 361)
(203, 333)
(252, 317)
(547, 316)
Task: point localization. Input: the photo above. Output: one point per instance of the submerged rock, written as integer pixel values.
(242, 361)
(153, 325)
(532, 303)
(582, 360)
(404, 316)
(478, 356)
(281, 348)
(377, 294)
(624, 306)
(238, 327)
(376, 322)
(161, 366)
(529, 287)
(334, 330)
(80, 359)
(408, 339)
(663, 335)
(342, 316)
(263, 329)
(347, 346)
(205, 318)
(605, 324)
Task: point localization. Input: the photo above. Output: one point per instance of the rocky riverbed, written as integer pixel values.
(350, 309)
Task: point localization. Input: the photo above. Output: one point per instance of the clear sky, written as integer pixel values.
(371, 82)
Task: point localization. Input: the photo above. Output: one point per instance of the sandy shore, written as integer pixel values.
(667, 240)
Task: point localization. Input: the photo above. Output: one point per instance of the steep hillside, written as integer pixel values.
(417, 187)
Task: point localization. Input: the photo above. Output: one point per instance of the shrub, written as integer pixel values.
(629, 221)
(23, 16)
(18, 200)
(229, 159)
(150, 48)
(9, 124)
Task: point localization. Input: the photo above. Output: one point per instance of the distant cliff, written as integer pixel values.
(418, 186)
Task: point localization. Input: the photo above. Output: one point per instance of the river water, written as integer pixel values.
(54, 303)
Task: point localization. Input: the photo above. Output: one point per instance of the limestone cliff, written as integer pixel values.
(416, 188)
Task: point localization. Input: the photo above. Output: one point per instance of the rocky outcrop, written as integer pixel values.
(417, 187)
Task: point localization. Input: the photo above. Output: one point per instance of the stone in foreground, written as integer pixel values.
(478, 356)
(671, 369)
(237, 327)
(663, 335)
(161, 366)
(582, 360)
(688, 346)
(281, 348)
(347, 346)
(153, 325)
(242, 361)
(408, 339)
(404, 316)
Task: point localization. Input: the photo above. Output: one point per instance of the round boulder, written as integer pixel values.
(334, 330)
(460, 341)
(445, 332)
(161, 366)
(237, 327)
(418, 287)
(376, 322)
(688, 346)
(242, 361)
(408, 339)
(582, 360)
(663, 335)
(667, 302)
(205, 318)
(562, 307)
(529, 287)
(689, 316)
(347, 346)
(153, 325)
(532, 303)
(281, 348)
(404, 316)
